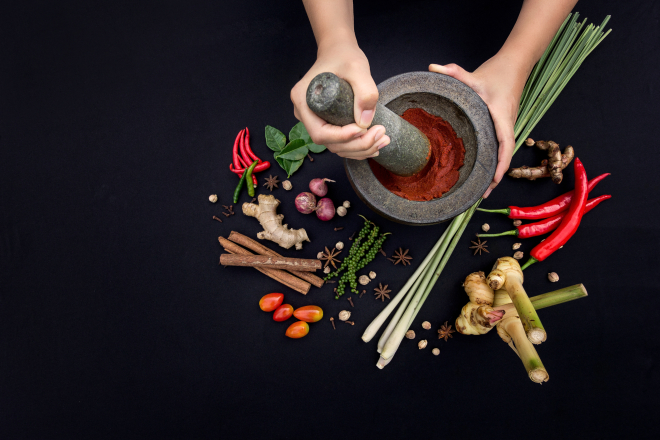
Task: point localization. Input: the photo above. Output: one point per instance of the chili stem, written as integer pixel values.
(514, 232)
(531, 261)
(505, 211)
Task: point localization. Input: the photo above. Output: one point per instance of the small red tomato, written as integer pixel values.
(283, 312)
(297, 330)
(309, 313)
(270, 302)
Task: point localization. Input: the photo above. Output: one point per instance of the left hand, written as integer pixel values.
(500, 84)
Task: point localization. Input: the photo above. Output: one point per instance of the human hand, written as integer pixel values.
(500, 83)
(355, 141)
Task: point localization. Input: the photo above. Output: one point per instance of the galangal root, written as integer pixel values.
(551, 167)
(478, 317)
(274, 230)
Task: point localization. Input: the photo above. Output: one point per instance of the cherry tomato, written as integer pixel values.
(297, 330)
(309, 313)
(283, 312)
(270, 302)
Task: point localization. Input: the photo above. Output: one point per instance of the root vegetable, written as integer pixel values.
(549, 167)
(508, 275)
(274, 230)
(325, 209)
(512, 332)
(306, 202)
(477, 316)
(319, 187)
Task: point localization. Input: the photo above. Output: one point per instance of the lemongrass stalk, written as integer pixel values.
(549, 299)
(402, 326)
(445, 258)
(397, 316)
(371, 331)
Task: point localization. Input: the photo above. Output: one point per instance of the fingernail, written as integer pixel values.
(384, 144)
(375, 154)
(366, 117)
(379, 134)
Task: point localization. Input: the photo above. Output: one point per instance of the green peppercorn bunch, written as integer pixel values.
(354, 248)
(369, 257)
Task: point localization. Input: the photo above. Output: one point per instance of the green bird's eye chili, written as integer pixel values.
(249, 176)
(569, 223)
(237, 191)
(548, 209)
(546, 225)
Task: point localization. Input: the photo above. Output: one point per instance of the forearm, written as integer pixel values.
(331, 20)
(537, 23)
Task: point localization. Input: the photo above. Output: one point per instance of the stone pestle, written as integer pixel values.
(331, 98)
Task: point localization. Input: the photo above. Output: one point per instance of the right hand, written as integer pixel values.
(354, 141)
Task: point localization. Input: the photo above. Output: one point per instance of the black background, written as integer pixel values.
(116, 123)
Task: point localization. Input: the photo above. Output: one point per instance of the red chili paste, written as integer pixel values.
(440, 174)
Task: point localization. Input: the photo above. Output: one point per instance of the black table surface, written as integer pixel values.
(116, 321)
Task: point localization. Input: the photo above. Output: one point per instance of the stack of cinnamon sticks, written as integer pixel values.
(295, 273)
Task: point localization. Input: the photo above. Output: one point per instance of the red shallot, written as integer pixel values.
(306, 202)
(318, 186)
(325, 209)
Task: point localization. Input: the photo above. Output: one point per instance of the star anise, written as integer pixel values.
(479, 246)
(329, 257)
(401, 256)
(382, 292)
(445, 331)
(271, 182)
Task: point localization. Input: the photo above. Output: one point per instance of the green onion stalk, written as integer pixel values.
(572, 43)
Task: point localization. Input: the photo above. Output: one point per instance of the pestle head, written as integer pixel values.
(331, 98)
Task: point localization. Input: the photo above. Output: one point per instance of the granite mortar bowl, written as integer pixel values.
(468, 114)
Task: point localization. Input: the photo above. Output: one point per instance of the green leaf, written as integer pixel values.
(314, 148)
(290, 166)
(294, 150)
(275, 139)
(300, 132)
(294, 165)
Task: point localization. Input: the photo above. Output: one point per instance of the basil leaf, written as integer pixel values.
(300, 132)
(314, 148)
(294, 150)
(275, 139)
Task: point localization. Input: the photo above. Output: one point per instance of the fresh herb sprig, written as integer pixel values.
(291, 155)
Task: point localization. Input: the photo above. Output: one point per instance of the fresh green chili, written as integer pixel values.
(237, 191)
(248, 179)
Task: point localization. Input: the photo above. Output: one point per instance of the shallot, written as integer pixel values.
(318, 186)
(325, 209)
(306, 203)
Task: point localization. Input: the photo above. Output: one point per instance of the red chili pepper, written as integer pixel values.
(548, 209)
(248, 148)
(569, 223)
(234, 153)
(261, 167)
(546, 225)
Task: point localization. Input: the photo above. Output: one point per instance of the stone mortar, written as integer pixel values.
(459, 105)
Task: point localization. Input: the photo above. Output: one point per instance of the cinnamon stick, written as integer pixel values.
(278, 275)
(259, 248)
(300, 264)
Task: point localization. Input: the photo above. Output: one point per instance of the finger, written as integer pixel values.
(366, 96)
(453, 70)
(374, 151)
(374, 137)
(506, 139)
(324, 133)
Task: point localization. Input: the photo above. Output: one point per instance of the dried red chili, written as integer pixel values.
(548, 209)
(569, 223)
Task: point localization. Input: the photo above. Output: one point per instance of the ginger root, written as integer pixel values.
(477, 317)
(274, 230)
(551, 167)
(512, 332)
(507, 275)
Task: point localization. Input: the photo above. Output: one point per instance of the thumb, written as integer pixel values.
(366, 97)
(453, 70)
